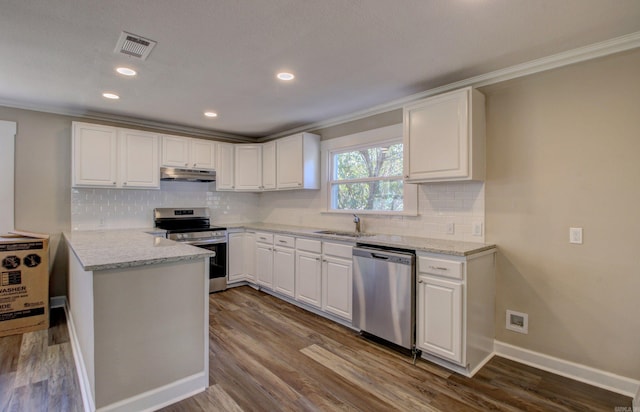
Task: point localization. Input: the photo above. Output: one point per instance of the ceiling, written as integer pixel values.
(222, 55)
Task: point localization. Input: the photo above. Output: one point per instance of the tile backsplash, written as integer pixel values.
(133, 208)
(439, 206)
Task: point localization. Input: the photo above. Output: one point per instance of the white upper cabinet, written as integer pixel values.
(185, 152)
(105, 156)
(444, 138)
(269, 165)
(139, 159)
(95, 155)
(298, 161)
(248, 167)
(225, 173)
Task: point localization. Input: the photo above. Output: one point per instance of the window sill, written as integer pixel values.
(369, 213)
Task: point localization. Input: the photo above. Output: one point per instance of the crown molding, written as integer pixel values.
(127, 121)
(580, 54)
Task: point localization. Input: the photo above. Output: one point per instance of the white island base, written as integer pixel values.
(140, 334)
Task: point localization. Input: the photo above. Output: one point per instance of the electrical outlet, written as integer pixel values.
(451, 228)
(476, 229)
(517, 321)
(575, 235)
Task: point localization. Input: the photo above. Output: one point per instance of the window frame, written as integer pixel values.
(358, 141)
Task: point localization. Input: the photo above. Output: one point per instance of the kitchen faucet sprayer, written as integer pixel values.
(356, 220)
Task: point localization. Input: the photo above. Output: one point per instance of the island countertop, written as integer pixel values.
(447, 247)
(122, 248)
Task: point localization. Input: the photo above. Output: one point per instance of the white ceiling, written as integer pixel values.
(222, 55)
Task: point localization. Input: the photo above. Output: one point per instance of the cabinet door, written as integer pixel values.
(248, 167)
(139, 159)
(203, 154)
(249, 256)
(284, 265)
(436, 137)
(269, 166)
(264, 265)
(337, 284)
(95, 154)
(309, 278)
(439, 318)
(289, 162)
(224, 174)
(175, 151)
(236, 259)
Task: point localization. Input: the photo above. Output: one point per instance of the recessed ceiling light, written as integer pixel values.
(285, 76)
(126, 71)
(211, 114)
(111, 96)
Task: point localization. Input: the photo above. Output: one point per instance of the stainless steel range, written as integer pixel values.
(192, 226)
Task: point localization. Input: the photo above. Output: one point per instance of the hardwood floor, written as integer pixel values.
(37, 372)
(268, 355)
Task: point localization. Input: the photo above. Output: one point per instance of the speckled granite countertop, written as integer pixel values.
(448, 247)
(115, 249)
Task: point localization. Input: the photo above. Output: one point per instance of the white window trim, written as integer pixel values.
(369, 137)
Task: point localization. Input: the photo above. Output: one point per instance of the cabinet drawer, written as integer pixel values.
(337, 249)
(309, 245)
(264, 237)
(440, 267)
(280, 240)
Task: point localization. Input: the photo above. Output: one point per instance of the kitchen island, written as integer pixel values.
(138, 314)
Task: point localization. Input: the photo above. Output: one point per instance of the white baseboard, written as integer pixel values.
(596, 377)
(636, 401)
(81, 368)
(163, 396)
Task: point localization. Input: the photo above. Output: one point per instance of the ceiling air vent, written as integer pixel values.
(134, 45)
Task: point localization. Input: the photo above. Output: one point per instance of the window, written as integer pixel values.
(367, 178)
(364, 174)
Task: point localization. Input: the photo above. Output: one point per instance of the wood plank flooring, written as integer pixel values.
(268, 355)
(37, 372)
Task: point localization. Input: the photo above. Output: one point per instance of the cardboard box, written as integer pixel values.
(24, 282)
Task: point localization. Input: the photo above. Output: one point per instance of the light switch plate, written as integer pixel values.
(451, 228)
(476, 229)
(575, 235)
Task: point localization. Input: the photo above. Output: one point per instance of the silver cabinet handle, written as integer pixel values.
(282, 241)
(186, 164)
(420, 281)
(113, 183)
(438, 268)
(124, 184)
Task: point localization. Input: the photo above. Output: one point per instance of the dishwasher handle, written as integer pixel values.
(389, 256)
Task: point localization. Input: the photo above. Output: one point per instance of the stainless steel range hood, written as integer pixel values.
(187, 175)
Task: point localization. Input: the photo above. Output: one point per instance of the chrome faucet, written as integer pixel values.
(356, 220)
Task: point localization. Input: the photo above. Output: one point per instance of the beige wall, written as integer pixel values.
(563, 150)
(43, 182)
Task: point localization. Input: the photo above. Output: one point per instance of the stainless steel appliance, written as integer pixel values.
(187, 175)
(192, 226)
(384, 295)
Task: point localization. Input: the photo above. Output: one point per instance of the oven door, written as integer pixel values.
(217, 264)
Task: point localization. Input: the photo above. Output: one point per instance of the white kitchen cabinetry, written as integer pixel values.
(264, 259)
(95, 155)
(298, 161)
(309, 272)
(250, 256)
(444, 137)
(284, 265)
(337, 275)
(105, 156)
(225, 172)
(248, 167)
(455, 309)
(269, 165)
(236, 257)
(185, 152)
(139, 159)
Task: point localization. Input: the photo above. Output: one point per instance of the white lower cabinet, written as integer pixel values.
(264, 264)
(440, 317)
(250, 256)
(455, 309)
(309, 278)
(337, 275)
(236, 257)
(284, 265)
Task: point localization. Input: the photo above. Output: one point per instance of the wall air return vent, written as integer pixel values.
(134, 45)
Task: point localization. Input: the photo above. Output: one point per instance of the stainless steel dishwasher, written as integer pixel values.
(384, 295)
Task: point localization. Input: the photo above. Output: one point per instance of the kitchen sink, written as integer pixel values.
(340, 233)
